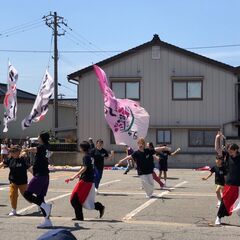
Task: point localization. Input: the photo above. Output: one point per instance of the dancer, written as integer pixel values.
(130, 163)
(142, 158)
(4, 150)
(99, 154)
(83, 194)
(220, 175)
(163, 162)
(38, 186)
(219, 143)
(18, 165)
(150, 146)
(231, 193)
(90, 140)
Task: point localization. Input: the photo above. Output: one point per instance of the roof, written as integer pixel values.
(20, 93)
(155, 41)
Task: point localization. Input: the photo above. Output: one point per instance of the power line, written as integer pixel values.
(106, 51)
(21, 26)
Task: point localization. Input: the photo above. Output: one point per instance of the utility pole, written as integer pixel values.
(54, 22)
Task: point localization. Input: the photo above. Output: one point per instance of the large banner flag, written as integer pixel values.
(40, 106)
(127, 119)
(10, 100)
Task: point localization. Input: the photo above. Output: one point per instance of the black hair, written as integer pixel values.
(85, 146)
(234, 147)
(218, 157)
(99, 141)
(151, 145)
(45, 137)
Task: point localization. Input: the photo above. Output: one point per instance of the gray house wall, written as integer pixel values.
(15, 129)
(216, 109)
(67, 119)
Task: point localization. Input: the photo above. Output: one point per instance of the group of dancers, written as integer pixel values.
(227, 175)
(89, 175)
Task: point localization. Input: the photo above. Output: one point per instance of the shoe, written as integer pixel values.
(151, 196)
(46, 224)
(77, 219)
(125, 173)
(47, 208)
(101, 211)
(218, 221)
(13, 213)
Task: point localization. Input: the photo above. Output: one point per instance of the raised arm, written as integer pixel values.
(110, 156)
(176, 151)
(31, 150)
(123, 160)
(161, 149)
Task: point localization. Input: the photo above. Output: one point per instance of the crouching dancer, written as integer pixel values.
(83, 194)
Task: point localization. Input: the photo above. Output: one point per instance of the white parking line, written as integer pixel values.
(62, 196)
(130, 215)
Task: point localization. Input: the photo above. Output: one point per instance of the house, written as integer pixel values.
(25, 100)
(189, 98)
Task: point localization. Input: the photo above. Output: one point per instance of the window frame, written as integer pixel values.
(163, 129)
(201, 130)
(187, 81)
(125, 81)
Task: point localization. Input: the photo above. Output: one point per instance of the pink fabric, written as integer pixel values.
(127, 119)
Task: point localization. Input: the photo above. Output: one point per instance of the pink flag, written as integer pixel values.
(127, 119)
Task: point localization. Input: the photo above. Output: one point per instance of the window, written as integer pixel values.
(126, 89)
(202, 138)
(187, 90)
(163, 136)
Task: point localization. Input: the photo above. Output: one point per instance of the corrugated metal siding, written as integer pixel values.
(217, 107)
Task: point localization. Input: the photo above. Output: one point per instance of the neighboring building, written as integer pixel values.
(188, 96)
(67, 117)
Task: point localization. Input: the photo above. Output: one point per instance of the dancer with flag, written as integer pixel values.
(231, 193)
(10, 100)
(127, 119)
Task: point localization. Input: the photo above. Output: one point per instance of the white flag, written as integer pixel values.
(10, 100)
(40, 106)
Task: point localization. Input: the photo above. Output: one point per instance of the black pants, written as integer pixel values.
(38, 200)
(78, 207)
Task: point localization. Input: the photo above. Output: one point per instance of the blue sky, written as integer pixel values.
(114, 26)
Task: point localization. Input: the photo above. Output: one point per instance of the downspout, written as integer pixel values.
(238, 102)
(77, 84)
